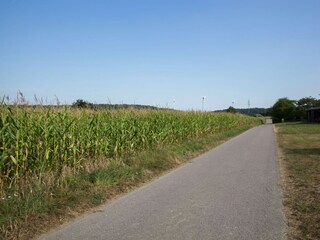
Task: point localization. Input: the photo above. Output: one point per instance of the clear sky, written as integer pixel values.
(154, 51)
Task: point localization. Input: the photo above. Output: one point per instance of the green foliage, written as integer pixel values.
(290, 110)
(308, 102)
(80, 103)
(38, 140)
(283, 109)
(231, 110)
(304, 104)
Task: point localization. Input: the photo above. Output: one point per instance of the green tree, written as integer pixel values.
(285, 109)
(304, 104)
(308, 102)
(80, 103)
(231, 110)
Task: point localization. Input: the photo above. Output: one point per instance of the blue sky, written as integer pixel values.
(154, 51)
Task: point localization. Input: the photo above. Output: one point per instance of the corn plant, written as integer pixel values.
(34, 140)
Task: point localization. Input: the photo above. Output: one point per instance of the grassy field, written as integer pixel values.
(57, 163)
(300, 166)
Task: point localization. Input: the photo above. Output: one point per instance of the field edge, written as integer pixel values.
(88, 190)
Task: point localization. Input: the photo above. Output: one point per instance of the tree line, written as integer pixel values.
(292, 110)
(284, 109)
(80, 103)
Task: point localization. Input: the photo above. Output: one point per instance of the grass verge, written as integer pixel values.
(40, 208)
(299, 155)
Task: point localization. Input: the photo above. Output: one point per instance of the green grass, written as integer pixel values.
(57, 163)
(300, 149)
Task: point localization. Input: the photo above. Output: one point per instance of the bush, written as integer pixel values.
(285, 109)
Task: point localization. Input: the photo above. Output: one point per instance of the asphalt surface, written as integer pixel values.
(230, 192)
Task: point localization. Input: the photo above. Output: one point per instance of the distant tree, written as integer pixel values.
(304, 104)
(231, 110)
(80, 103)
(285, 109)
(307, 102)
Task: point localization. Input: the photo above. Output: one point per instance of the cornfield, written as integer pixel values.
(40, 139)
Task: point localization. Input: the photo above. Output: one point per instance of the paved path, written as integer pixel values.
(229, 193)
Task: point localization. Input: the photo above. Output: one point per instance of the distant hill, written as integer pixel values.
(123, 106)
(114, 106)
(249, 111)
(80, 103)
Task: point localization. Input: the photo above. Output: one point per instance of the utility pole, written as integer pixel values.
(248, 106)
(203, 99)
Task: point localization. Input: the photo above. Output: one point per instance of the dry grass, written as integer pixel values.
(299, 155)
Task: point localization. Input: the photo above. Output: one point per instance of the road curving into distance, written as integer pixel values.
(230, 192)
